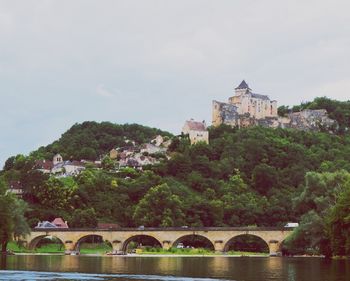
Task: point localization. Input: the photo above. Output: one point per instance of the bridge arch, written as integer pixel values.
(247, 242)
(91, 238)
(142, 239)
(194, 240)
(36, 240)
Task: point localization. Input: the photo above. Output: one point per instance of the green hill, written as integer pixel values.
(90, 140)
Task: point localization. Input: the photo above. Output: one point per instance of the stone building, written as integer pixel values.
(57, 159)
(197, 131)
(244, 108)
(113, 154)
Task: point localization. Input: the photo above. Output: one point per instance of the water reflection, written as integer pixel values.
(219, 268)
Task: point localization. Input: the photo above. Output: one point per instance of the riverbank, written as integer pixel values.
(103, 249)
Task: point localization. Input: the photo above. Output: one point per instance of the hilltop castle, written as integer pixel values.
(246, 109)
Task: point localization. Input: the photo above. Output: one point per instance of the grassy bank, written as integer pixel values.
(198, 251)
(46, 248)
(102, 248)
(91, 248)
(53, 248)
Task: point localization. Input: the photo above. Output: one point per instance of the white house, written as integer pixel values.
(197, 131)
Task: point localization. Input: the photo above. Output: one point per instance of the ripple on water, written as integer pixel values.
(51, 276)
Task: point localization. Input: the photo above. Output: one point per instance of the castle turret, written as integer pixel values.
(242, 88)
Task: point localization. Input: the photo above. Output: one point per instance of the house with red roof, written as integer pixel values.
(56, 223)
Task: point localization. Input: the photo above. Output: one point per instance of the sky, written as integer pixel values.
(159, 63)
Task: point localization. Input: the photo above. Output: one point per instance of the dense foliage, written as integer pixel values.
(90, 140)
(13, 223)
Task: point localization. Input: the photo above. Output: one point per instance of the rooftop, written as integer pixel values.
(243, 85)
(195, 125)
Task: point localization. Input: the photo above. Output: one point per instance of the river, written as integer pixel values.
(135, 268)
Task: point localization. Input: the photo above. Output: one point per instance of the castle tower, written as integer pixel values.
(242, 88)
(241, 99)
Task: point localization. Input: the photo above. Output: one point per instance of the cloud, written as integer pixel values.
(103, 92)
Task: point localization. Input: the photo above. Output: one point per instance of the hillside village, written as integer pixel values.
(133, 155)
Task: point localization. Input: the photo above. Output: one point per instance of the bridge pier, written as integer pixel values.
(166, 245)
(70, 246)
(274, 247)
(117, 246)
(219, 246)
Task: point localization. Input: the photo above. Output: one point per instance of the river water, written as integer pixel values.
(133, 268)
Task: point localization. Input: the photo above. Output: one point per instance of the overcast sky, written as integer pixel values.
(159, 63)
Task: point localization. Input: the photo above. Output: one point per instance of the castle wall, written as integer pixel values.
(198, 136)
(225, 113)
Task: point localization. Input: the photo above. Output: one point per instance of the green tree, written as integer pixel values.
(159, 207)
(338, 223)
(83, 218)
(264, 177)
(13, 223)
(108, 164)
(315, 202)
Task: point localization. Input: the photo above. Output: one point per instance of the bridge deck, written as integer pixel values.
(140, 229)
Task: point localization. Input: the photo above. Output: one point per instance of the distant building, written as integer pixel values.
(56, 223)
(151, 148)
(113, 154)
(68, 168)
(60, 223)
(245, 109)
(57, 159)
(59, 167)
(44, 166)
(158, 140)
(242, 107)
(197, 131)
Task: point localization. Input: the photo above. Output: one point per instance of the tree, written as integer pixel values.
(159, 207)
(10, 163)
(242, 206)
(108, 164)
(13, 223)
(315, 202)
(264, 177)
(338, 223)
(283, 110)
(84, 218)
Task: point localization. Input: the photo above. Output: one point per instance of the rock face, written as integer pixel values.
(247, 109)
(309, 120)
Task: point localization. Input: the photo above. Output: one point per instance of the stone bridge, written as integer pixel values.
(219, 237)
